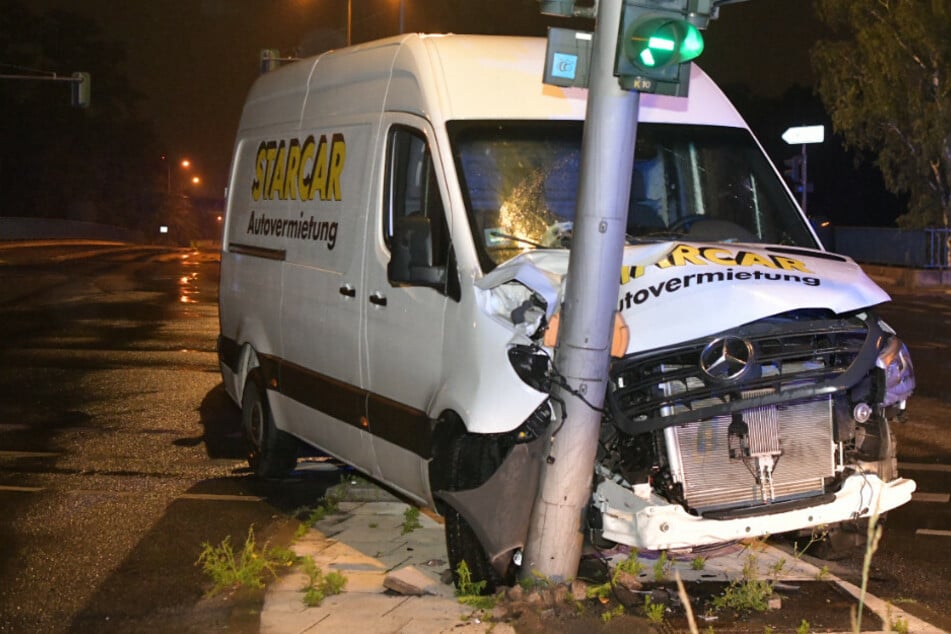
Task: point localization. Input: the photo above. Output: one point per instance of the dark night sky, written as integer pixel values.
(194, 60)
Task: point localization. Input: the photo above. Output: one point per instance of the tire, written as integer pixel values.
(473, 459)
(272, 453)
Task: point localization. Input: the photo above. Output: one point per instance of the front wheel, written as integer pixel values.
(272, 453)
(473, 460)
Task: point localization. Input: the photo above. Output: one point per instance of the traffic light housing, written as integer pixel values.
(655, 44)
(793, 171)
(81, 90)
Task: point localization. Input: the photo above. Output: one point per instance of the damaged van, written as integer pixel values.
(399, 219)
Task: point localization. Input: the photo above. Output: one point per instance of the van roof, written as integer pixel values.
(446, 77)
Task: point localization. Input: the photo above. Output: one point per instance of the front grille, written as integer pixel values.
(795, 359)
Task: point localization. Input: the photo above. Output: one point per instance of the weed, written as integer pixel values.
(653, 611)
(699, 562)
(469, 592)
(818, 534)
(804, 627)
(873, 536)
(661, 566)
(899, 625)
(302, 530)
(410, 520)
(373, 525)
(769, 629)
(748, 593)
(823, 574)
(777, 568)
(320, 586)
(631, 565)
(610, 614)
(247, 567)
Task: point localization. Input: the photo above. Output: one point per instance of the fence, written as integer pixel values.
(920, 248)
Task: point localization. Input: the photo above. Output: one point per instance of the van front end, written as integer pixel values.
(777, 425)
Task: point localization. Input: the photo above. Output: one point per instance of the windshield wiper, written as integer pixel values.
(499, 234)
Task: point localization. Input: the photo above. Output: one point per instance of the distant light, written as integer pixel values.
(163, 229)
(195, 180)
(186, 163)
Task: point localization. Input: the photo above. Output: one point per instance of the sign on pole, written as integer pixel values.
(805, 134)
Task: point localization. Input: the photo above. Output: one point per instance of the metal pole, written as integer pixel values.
(349, 22)
(401, 16)
(805, 178)
(556, 532)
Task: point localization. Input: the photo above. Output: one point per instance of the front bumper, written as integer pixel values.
(641, 519)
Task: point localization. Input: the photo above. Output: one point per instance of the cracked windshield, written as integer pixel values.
(697, 183)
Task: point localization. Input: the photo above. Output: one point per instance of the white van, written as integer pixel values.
(398, 223)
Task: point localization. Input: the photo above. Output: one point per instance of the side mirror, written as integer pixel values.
(411, 258)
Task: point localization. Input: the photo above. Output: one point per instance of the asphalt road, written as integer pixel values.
(119, 451)
(120, 454)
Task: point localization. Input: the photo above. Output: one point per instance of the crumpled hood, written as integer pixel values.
(677, 291)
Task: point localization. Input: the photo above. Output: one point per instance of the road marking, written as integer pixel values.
(924, 466)
(933, 532)
(220, 498)
(28, 454)
(20, 489)
(940, 498)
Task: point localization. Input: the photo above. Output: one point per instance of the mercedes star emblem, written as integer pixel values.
(727, 358)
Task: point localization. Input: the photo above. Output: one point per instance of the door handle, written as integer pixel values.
(378, 298)
(348, 291)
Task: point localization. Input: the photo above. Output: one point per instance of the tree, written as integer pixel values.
(885, 83)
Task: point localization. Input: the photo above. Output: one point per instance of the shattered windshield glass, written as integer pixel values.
(698, 183)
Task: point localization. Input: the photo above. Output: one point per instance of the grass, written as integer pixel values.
(246, 567)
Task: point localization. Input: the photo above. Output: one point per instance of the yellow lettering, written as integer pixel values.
(747, 258)
(319, 180)
(718, 256)
(682, 254)
(260, 162)
(338, 156)
(280, 169)
(307, 165)
(271, 153)
(290, 172)
(789, 264)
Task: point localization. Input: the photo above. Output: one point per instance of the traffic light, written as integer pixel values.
(654, 45)
(81, 90)
(793, 171)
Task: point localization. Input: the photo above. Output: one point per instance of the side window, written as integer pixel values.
(414, 220)
(412, 192)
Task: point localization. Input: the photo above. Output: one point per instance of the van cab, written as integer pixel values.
(398, 224)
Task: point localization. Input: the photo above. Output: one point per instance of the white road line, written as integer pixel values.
(924, 466)
(20, 489)
(933, 532)
(940, 498)
(220, 498)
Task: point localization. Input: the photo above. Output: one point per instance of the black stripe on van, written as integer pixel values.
(387, 419)
(258, 252)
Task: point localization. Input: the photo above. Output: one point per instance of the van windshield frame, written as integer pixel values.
(697, 183)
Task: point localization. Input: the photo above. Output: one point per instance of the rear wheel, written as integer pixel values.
(272, 453)
(472, 460)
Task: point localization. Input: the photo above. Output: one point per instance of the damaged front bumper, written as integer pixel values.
(639, 518)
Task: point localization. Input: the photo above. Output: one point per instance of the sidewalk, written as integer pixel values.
(364, 541)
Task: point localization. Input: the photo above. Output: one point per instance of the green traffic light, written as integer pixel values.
(661, 42)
